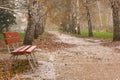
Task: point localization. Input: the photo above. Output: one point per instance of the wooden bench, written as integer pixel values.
(12, 41)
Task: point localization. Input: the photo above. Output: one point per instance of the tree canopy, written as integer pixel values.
(6, 19)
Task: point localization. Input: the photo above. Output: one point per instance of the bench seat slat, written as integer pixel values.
(31, 49)
(25, 48)
(16, 50)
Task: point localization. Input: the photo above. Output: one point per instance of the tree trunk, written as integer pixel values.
(29, 36)
(78, 16)
(36, 33)
(90, 32)
(89, 25)
(78, 29)
(101, 23)
(116, 32)
(32, 20)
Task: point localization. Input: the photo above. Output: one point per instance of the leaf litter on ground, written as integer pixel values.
(48, 42)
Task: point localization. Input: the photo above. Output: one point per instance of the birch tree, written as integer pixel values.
(100, 17)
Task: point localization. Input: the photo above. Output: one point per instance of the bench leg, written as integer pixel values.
(16, 57)
(27, 56)
(35, 59)
(8, 48)
(12, 57)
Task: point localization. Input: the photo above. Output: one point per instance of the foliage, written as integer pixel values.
(6, 18)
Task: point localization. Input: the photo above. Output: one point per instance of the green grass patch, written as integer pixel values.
(1, 36)
(1, 39)
(22, 35)
(98, 34)
(84, 33)
(104, 35)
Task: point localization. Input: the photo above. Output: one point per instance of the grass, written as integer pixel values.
(104, 35)
(1, 36)
(84, 33)
(97, 34)
(1, 39)
(22, 35)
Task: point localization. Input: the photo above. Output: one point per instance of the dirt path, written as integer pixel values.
(87, 60)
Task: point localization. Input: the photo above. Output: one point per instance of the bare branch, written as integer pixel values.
(16, 11)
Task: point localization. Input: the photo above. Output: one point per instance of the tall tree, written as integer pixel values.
(42, 11)
(29, 36)
(78, 16)
(115, 4)
(35, 21)
(86, 5)
(99, 8)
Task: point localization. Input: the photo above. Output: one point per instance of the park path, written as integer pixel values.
(86, 60)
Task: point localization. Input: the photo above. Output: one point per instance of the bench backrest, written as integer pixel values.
(11, 37)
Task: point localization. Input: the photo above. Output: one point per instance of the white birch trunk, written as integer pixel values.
(100, 17)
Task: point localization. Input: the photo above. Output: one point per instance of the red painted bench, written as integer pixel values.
(12, 39)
